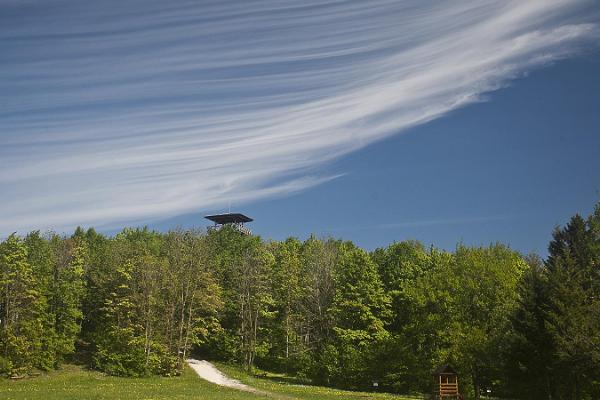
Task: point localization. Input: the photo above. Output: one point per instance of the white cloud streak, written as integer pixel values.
(116, 112)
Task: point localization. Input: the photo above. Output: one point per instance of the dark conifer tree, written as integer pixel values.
(572, 307)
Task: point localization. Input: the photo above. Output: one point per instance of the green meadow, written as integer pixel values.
(76, 383)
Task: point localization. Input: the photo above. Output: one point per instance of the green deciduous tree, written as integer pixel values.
(21, 309)
(289, 284)
(66, 293)
(319, 258)
(192, 296)
(360, 310)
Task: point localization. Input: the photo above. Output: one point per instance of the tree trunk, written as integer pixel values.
(476, 385)
(287, 335)
(189, 326)
(548, 387)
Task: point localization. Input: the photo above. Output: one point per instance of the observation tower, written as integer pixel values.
(235, 220)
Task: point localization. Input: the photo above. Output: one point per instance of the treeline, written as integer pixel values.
(324, 310)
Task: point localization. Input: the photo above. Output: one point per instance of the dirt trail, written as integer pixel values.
(209, 372)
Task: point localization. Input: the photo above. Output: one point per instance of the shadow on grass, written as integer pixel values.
(290, 380)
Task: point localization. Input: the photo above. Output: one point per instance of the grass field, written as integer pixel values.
(72, 383)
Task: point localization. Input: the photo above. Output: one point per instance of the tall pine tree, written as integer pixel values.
(572, 311)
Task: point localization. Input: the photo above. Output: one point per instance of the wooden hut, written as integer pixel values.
(446, 383)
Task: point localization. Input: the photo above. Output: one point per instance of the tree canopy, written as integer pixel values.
(325, 310)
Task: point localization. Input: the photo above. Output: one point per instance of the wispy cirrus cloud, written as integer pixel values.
(114, 112)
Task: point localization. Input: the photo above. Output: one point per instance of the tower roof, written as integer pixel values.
(229, 218)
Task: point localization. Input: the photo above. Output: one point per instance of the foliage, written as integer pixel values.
(21, 309)
(141, 302)
(360, 310)
(556, 340)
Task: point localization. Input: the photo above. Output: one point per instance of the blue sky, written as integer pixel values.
(374, 122)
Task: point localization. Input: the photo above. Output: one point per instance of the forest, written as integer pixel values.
(324, 310)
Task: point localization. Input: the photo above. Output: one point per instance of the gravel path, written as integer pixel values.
(209, 372)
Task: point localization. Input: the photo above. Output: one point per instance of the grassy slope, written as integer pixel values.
(74, 383)
(293, 391)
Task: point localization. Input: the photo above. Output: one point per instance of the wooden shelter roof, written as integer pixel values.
(445, 369)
